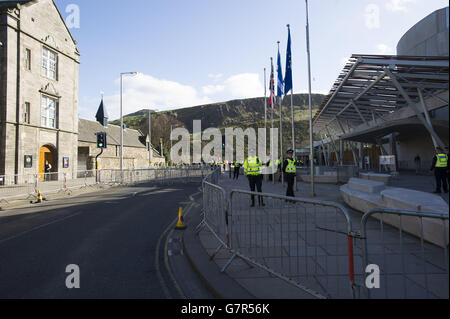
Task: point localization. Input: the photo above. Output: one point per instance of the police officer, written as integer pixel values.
(252, 168)
(237, 170)
(439, 166)
(290, 172)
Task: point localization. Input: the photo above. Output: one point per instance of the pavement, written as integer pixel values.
(243, 280)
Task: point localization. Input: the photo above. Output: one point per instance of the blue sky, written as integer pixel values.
(203, 51)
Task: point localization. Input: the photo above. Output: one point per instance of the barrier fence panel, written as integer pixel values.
(409, 266)
(17, 186)
(165, 175)
(14, 187)
(307, 243)
(215, 213)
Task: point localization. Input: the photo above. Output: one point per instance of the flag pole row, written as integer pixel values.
(284, 87)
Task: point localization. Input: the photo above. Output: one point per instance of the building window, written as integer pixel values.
(49, 64)
(26, 115)
(28, 59)
(48, 112)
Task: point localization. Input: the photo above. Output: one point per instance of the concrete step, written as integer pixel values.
(402, 198)
(366, 186)
(385, 178)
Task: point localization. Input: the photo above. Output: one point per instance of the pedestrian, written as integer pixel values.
(417, 161)
(290, 172)
(47, 170)
(252, 168)
(237, 170)
(440, 167)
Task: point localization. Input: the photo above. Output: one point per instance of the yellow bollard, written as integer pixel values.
(39, 197)
(180, 224)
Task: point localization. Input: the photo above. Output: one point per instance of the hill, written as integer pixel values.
(237, 114)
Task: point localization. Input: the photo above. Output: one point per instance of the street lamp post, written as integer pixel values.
(121, 117)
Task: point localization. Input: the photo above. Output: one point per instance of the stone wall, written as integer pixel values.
(40, 26)
(133, 157)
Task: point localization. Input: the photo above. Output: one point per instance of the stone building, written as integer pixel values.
(39, 63)
(135, 151)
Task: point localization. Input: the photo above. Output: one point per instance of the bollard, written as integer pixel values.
(180, 224)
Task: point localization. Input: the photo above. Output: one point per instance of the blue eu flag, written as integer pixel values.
(280, 86)
(288, 78)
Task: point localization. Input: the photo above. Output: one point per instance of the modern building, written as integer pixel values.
(39, 63)
(391, 105)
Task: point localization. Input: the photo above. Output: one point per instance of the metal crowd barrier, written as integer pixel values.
(307, 243)
(215, 217)
(17, 186)
(410, 267)
(166, 175)
(26, 186)
(311, 244)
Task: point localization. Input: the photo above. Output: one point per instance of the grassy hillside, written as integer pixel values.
(237, 114)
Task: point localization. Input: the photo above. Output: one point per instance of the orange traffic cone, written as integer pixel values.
(180, 224)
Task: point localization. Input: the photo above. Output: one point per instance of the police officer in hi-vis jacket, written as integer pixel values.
(290, 172)
(252, 168)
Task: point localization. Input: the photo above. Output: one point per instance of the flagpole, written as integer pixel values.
(271, 150)
(265, 108)
(292, 108)
(311, 129)
(281, 140)
(273, 107)
(281, 125)
(292, 120)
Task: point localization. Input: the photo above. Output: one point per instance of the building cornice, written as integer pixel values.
(44, 43)
(39, 127)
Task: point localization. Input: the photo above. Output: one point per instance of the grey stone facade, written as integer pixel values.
(27, 29)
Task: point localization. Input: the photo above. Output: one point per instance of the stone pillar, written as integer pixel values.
(341, 152)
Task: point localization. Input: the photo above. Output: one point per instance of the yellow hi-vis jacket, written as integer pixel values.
(442, 160)
(252, 166)
(291, 168)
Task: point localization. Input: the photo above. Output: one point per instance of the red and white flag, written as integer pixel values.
(272, 87)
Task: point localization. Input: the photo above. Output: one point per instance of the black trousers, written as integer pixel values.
(237, 170)
(441, 179)
(255, 182)
(290, 179)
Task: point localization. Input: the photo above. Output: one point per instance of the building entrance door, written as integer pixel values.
(46, 154)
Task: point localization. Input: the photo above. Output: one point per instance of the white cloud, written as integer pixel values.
(372, 16)
(246, 85)
(145, 91)
(398, 5)
(384, 49)
(212, 89)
